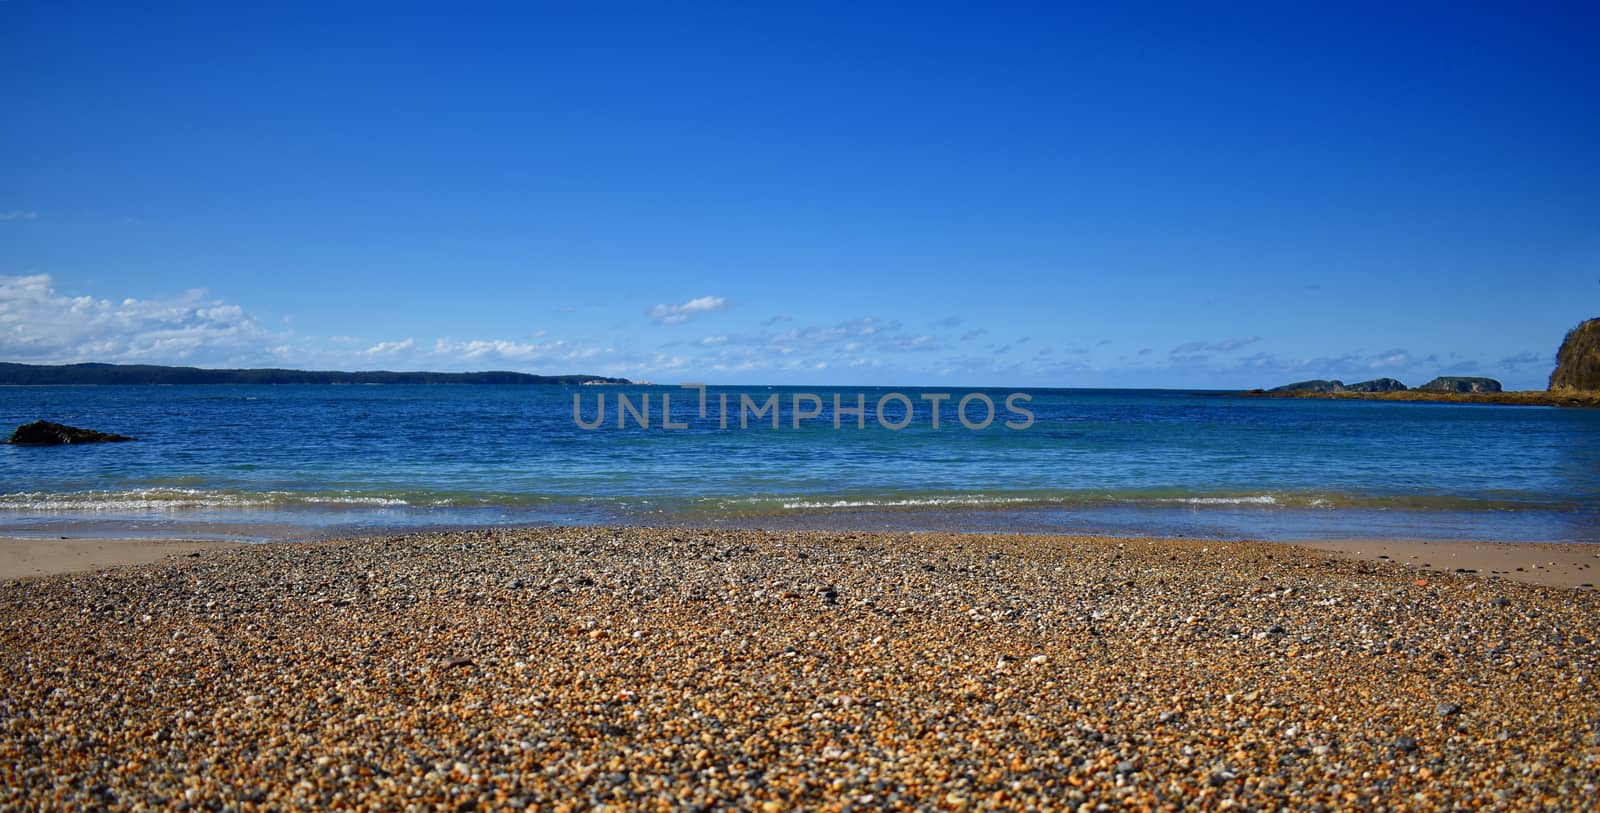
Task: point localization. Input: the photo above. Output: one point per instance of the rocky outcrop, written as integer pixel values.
(1454, 383)
(1314, 385)
(1377, 385)
(45, 433)
(1335, 385)
(1578, 362)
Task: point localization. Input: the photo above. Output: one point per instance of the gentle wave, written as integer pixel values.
(909, 502)
(199, 499)
(1258, 499)
(177, 499)
(1069, 500)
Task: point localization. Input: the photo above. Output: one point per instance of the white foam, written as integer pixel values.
(174, 499)
(906, 502)
(1257, 499)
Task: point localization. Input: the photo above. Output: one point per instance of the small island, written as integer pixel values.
(1574, 382)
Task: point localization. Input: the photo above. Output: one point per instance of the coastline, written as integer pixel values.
(1555, 398)
(645, 667)
(1547, 564)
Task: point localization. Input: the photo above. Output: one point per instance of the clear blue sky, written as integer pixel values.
(1212, 195)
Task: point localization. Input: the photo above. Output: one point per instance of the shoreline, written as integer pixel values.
(1547, 564)
(667, 668)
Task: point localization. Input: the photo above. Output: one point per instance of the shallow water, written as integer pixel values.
(265, 462)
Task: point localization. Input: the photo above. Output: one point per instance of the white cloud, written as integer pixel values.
(506, 350)
(390, 348)
(1391, 360)
(39, 325)
(675, 314)
(17, 214)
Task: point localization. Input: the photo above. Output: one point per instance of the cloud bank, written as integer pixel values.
(41, 325)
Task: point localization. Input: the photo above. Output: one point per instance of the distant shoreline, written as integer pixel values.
(93, 374)
(1558, 398)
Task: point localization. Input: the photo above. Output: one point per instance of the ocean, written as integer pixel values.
(270, 462)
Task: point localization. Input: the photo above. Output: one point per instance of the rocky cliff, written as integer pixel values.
(1578, 362)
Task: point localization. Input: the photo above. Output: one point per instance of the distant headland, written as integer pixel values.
(92, 373)
(1574, 382)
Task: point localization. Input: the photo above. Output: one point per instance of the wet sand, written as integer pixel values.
(1552, 565)
(26, 557)
(672, 669)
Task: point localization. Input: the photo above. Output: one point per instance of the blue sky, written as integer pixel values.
(1043, 195)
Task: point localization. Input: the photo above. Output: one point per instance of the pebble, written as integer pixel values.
(657, 669)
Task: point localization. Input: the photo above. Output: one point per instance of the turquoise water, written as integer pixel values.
(260, 462)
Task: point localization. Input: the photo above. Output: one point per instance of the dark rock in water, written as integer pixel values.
(1452, 383)
(1578, 362)
(1314, 385)
(45, 433)
(1377, 385)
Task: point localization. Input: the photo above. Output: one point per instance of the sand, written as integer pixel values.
(672, 669)
(1552, 565)
(24, 557)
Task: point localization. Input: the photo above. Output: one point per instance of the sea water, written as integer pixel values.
(299, 461)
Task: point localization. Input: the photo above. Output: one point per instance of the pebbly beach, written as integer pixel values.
(673, 669)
